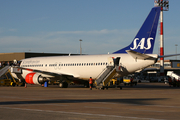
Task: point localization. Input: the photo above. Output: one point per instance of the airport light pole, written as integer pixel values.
(164, 4)
(176, 50)
(80, 47)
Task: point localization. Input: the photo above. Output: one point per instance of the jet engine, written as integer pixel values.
(34, 78)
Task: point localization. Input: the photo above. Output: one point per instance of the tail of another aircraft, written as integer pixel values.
(145, 38)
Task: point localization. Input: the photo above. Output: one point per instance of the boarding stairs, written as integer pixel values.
(4, 70)
(106, 75)
(6, 78)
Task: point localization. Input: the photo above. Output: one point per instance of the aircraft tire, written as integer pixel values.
(101, 88)
(86, 85)
(63, 85)
(13, 84)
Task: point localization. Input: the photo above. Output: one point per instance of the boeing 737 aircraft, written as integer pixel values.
(138, 55)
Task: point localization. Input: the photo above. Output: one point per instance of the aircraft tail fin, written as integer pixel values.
(145, 38)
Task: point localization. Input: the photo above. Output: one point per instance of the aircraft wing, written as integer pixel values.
(45, 72)
(137, 55)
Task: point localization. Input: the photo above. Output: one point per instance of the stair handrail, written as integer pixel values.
(101, 73)
(104, 70)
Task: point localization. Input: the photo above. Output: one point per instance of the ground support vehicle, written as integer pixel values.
(8, 80)
(127, 81)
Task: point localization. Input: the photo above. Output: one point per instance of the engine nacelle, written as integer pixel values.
(34, 78)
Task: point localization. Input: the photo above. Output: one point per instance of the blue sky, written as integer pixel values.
(55, 26)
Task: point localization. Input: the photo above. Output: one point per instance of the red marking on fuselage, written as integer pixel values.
(29, 78)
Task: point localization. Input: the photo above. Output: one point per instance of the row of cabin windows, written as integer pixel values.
(38, 65)
(67, 64)
(82, 64)
(52, 65)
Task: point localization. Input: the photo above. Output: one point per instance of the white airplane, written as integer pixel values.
(138, 55)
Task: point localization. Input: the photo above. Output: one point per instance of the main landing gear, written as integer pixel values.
(63, 85)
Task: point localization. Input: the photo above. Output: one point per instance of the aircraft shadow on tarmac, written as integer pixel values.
(124, 101)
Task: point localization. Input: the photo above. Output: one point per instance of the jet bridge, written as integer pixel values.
(107, 74)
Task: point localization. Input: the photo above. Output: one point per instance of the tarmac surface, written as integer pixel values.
(146, 101)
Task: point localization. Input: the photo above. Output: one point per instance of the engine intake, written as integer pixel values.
(34, 78)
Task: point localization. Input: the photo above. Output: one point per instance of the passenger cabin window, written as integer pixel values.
(68, 64)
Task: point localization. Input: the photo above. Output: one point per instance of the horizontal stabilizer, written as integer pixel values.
(163, 56)
(137, 55)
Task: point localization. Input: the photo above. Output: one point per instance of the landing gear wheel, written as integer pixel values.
(13, 84)
(86, 84)
(63, 85)
(101, 88)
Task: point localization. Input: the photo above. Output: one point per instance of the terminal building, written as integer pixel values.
(9, 57)
(152, 73)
